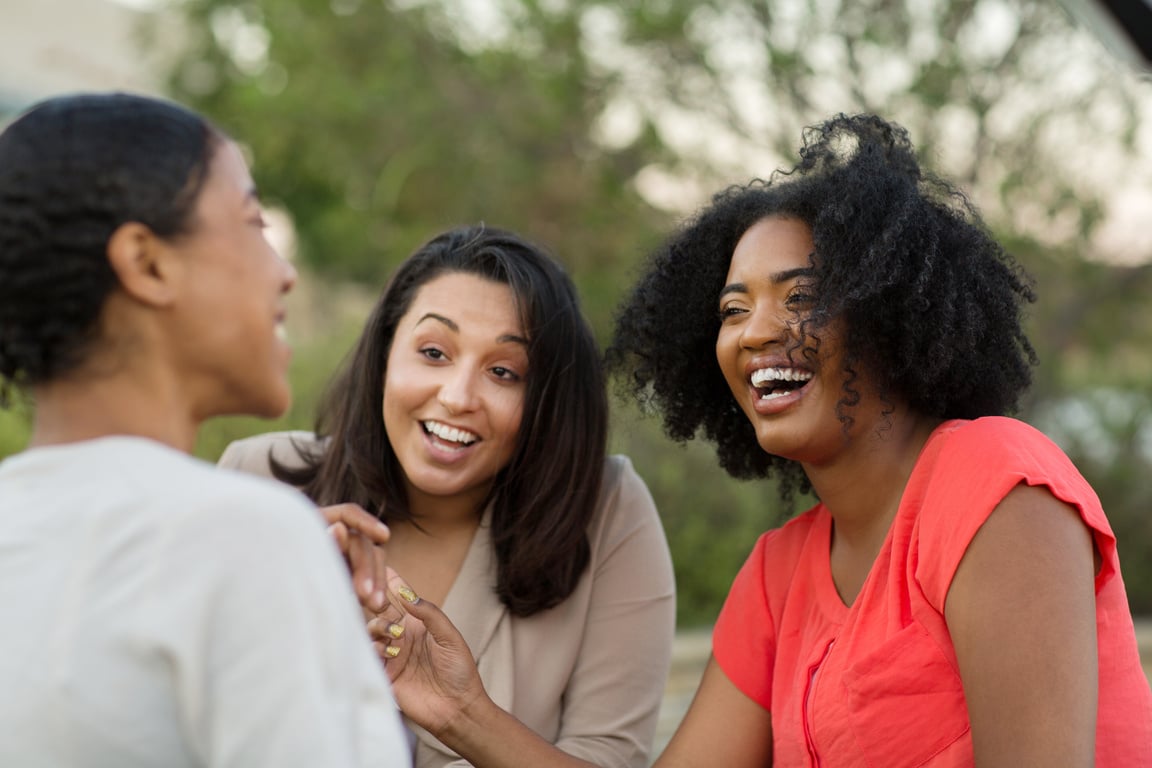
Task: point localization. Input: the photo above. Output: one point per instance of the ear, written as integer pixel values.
(143, 263)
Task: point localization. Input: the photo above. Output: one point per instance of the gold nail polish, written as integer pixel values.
(395, 630)
(392, 651)
(407, 594)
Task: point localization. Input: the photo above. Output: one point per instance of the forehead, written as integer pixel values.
(228, 173)
(771, 245)
(470, 301)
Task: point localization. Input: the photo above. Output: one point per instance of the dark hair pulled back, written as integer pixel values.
(72, 170)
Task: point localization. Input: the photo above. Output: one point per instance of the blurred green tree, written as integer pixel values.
(590, 126)
(377, 126)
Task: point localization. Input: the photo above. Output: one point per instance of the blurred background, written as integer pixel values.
(593, 127)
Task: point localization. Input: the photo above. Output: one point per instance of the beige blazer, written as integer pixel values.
(587, 675)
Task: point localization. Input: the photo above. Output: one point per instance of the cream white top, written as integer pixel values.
(158, 611)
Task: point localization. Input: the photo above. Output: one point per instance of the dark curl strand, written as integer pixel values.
(931, 305)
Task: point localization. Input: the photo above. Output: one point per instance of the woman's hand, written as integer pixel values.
(437, 685)
(434, 677)
(359, 535)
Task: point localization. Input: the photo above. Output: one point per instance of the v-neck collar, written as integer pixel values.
(472, 602)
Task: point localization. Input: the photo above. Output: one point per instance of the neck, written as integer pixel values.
(863, 487)
(443, 515)
(87, 407)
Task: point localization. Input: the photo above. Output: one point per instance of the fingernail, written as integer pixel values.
(407, 593)
(392, 651)
(395, 630)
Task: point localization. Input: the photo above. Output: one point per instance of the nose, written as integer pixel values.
(288, 281)
(458, 391)
(764, 325)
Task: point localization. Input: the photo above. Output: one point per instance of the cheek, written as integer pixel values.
(392, 397)
(725, 359)
(512, 410)
(727, 345)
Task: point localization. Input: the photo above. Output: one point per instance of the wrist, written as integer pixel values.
(465, 731)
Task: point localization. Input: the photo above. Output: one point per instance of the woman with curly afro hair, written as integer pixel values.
(851, 328)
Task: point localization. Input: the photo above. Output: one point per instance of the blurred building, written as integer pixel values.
(49, 47)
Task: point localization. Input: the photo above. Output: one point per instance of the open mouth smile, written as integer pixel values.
(448, 434)
(775, 382)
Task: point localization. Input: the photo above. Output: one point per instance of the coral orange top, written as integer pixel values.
(877, 683)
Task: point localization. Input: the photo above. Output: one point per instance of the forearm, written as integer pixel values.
(489, 737)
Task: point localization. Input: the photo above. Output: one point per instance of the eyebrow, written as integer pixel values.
(503, 339)
(776, 278)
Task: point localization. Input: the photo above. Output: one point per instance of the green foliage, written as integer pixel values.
(14, 429)
(377, 129)
(379, 123)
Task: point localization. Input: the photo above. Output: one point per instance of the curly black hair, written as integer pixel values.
(931, 304)
(72, 170)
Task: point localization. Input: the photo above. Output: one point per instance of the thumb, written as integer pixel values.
(441, 628)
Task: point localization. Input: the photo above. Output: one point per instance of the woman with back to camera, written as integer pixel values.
(955, 598)
(472, 418)
(156, 610)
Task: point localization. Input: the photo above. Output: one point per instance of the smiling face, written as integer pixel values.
(227, 326)
(790, 400)
(454, 387)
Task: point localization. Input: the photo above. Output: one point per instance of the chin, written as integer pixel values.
(270, 404)
(275, 410)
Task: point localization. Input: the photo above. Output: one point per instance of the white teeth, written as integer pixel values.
(764, 376)
(451, 434)
(281, 332)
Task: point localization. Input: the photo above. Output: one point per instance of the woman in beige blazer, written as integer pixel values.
(472, 417)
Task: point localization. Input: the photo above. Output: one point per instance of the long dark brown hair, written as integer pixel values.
(543, 500)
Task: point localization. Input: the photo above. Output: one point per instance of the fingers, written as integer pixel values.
(358, 535)
(340, 534)
(386, 636)
(357, 519)
(438, 625)
(366, 563)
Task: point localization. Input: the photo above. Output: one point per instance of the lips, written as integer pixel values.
(279, 327)
(446, 433)
(772, 382)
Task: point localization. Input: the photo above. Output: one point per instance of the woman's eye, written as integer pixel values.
(800, 299)
(432, 353)
(729, 311)
(506, 374)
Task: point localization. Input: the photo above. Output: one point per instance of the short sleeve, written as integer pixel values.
(967, 470)
(744, 640)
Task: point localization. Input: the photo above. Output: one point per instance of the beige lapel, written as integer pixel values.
(483, 620)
